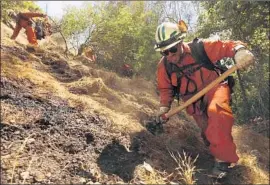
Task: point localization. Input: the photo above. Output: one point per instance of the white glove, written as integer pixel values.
(243, 59)
(162, 110)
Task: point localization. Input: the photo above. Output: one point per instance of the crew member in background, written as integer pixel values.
(90, 54)
(214, 107)
(126, 70)
(24, 21)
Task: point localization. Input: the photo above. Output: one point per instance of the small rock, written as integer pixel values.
(255, 153)
(78, 120)
(23, 57)
(25, 175)
(39, 177)
(120, 182)
(173, 183)
(12, 121)
(48, 174)
(82, 180)
(17, 132)
(148, 167)
(31, 140)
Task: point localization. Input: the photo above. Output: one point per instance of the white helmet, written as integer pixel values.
(168, 35)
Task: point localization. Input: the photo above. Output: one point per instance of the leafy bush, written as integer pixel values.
(8, 6)
(247, 21)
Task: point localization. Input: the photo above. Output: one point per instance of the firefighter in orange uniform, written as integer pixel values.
(126, 70)
(24, 21)
(90, 54)
(217, 111)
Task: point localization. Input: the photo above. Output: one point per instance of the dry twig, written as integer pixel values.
(17, 155)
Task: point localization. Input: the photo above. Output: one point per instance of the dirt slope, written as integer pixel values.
(68, 121)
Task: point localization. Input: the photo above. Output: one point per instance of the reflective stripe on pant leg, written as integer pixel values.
(220, 122)
(31, 36)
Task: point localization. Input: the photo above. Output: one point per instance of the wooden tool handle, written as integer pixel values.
(201, 93)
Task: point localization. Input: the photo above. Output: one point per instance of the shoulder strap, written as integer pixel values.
(199, 54)
(168, 67)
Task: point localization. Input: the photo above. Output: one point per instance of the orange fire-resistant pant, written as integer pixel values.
(31, 36)
(30, 31)
(219, 124)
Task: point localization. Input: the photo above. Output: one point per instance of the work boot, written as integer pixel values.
(221, 170)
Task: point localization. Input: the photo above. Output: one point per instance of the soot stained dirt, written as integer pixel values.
(62, 145)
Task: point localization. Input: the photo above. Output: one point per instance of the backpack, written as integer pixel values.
(39, 29)
(201, 60)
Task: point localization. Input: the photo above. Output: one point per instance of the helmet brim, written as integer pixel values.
(166, 47)
(172, 44)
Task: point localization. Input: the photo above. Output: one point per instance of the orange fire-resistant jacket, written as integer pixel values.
(215, 50)
(215, 104)
(25, 22)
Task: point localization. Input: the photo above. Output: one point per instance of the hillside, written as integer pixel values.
(68, 121)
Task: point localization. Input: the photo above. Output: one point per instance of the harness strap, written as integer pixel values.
(201, 60)
(180, 73)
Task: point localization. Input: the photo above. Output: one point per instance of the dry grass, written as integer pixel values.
(185, 169)
(255, 175)
(135, 86)
(253, 150)
(86, 85)
(183, 173)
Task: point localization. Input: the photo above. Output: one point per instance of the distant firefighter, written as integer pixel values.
(24, 20)
(126, 70)
(90, 54)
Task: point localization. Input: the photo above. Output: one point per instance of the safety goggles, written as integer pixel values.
(170, 50)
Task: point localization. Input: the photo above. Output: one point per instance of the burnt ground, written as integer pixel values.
(64, 145)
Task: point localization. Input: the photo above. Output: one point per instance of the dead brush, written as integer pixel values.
(185, 169)
(256, 174)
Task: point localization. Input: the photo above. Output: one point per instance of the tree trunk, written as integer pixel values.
(66, 50)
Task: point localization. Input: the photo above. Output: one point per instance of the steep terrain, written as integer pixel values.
(69, 121)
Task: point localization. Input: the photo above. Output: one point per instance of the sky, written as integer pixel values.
(55, 8)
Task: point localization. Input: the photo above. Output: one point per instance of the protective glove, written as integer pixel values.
(162, 110)
(243, 59)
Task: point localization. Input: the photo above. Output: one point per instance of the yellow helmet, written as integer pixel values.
(168, 35)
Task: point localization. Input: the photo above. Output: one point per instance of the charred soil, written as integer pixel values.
(61, 145)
